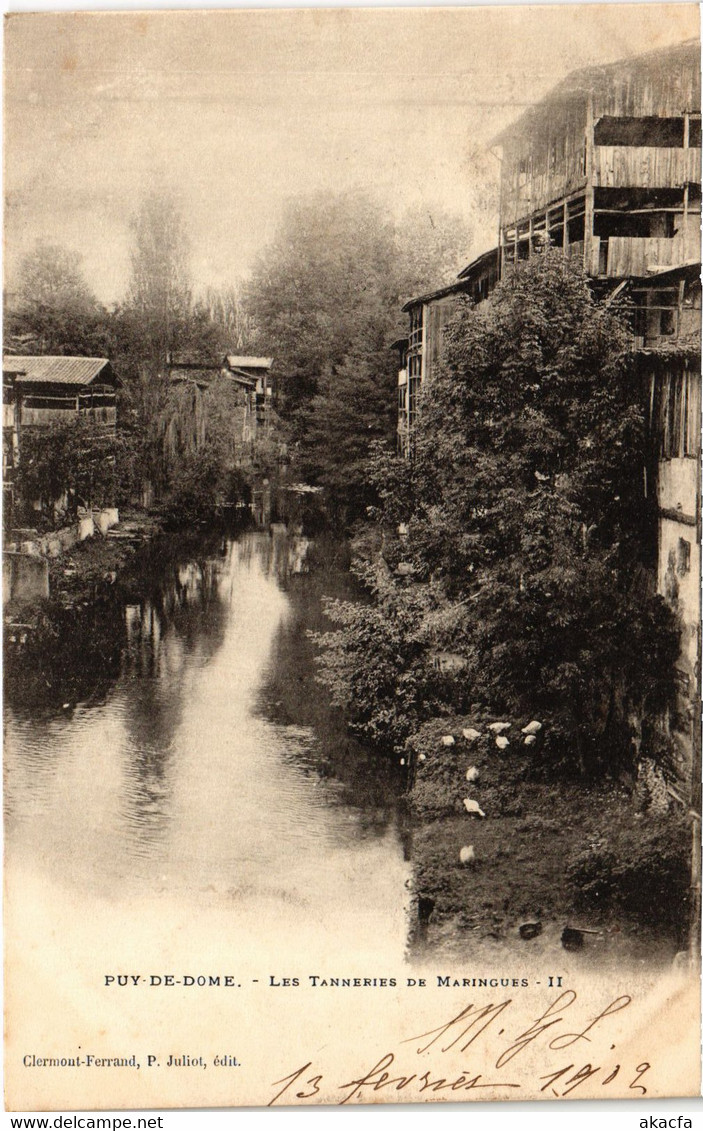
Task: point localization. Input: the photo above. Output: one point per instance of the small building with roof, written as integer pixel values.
(421, 352)
(251, 376)
(39, 391)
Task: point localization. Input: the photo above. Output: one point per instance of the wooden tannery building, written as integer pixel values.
(607, 167)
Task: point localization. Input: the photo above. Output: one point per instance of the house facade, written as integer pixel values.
(253, 374)
(249, 376)
(670, 366)
(40, 391)
(607, 168)
(421, 352)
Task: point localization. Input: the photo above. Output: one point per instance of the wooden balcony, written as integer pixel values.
(624, 166)
(621, 257)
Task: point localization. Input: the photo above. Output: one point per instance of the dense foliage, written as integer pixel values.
(176, 444)
(378, 663)
(524, 505)
(69, 465)
(325, 300)
(53, 310)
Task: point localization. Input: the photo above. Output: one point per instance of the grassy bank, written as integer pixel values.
(607, 860)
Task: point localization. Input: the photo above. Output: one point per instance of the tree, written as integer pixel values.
(353, 410)
(53, 310)
(224, 310)
(159, 296)
(524, 503)
(158, 320)
(325, 299)
(431, 249)
(320, 288)
(75, 463)
(377, 663)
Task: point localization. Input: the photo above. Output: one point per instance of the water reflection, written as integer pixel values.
(207, 763)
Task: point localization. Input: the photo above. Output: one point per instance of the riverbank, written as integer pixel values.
(607, 863)
(82, 607)
(83, 572)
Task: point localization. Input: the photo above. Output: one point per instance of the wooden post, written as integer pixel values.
(423, 346)
(17, 431)
(501, 217)
(686, 146)
(517, 210)
(694, 938)
(590, 191)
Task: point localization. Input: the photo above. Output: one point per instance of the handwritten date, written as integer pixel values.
(467, 1034)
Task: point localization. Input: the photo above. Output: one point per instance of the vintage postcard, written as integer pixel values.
(351, 556)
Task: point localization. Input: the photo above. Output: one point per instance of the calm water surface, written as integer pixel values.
(204, 764)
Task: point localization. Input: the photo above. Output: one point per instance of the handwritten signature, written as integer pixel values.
(457, 1036)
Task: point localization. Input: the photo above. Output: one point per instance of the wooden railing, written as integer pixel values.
(633, 256)
(625, 166)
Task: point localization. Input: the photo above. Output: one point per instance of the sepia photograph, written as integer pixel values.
(352, 556)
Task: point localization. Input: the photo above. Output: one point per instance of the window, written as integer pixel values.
(664, 133)
(667, 323)
(640, 225)
(523, 171)
(415, 327)
(656, 313)
(683, 557)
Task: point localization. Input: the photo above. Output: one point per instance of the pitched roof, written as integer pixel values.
(457, 287)
(463, 280)
(622, 83)
(236, 362)
(487, 259)
(240, 377)
(47, 370)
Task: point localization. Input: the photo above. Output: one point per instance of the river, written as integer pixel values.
(172, 764)
(190, 765)
(200, 863)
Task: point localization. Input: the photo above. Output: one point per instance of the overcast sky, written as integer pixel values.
(236, 111)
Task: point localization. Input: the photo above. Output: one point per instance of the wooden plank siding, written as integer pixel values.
(540, 170)
(633, 256)
(549, 155)
(542, 188)
(621, 166)
(437, 314)
(41, 417)
(661, 84)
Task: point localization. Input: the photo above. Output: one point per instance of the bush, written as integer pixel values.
(641, 871)
(74, 463)
(525, 514)
(199, 486)
(378, 663)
